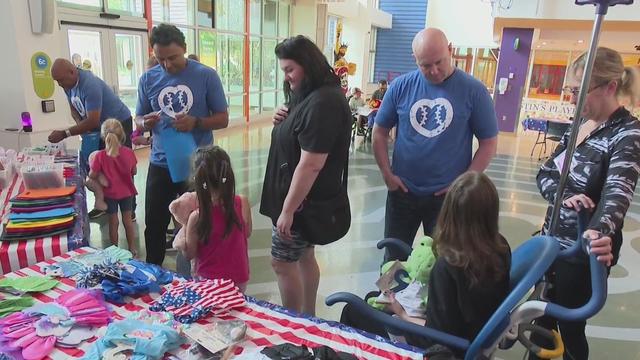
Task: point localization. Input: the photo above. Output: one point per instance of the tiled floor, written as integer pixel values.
(352, 263)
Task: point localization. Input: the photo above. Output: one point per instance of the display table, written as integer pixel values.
(541, 125)
(267, 324)
(15, 255)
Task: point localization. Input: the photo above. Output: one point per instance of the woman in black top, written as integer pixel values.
(602, 179)
(308, 152)
(470, 278)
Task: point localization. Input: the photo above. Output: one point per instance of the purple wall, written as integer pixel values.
(516, 62)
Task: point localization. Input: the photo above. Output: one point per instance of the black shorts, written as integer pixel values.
(125, 204)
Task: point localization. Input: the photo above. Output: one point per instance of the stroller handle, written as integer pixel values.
(396, 323)
(598, 279)
(603, 5)
(396, 244)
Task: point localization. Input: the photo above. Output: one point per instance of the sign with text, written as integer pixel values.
(41, 75)
(548, 109)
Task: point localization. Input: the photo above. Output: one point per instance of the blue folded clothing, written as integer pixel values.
(47, 214)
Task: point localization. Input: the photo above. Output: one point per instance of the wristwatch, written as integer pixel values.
(198, 122)
(67, 132)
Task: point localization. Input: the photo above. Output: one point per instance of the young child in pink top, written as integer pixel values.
(113, 169)
(217, 232)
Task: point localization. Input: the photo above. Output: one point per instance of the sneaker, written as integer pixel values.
(96, 213)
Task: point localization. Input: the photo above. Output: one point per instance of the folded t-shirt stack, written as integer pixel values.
(39, 213)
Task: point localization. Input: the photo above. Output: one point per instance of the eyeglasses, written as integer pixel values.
(575, 90)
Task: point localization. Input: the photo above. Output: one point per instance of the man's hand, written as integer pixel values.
(281, 113)
(56, 136)
(150, 120)
(184, 122)
(394, 183)
(578, 202)
(283, 225)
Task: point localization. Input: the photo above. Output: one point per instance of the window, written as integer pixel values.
(235, 62)
(463, 59)
(255, 10)
(269, 18)
(283, 20)
(205, 12)
(229, 15)
(269, 65)
(547, 74)
(329, 44)
(373, 38)
(207, 44)
(177, 12)
(255, 64)
(127, 7)
(81, 3)
(485, 67)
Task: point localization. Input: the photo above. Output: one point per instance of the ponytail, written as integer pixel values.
(629, 86)
(113, 134)
(112, 145)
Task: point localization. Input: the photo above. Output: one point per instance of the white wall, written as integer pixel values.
(16, 77)
(456, 24)
(303, 18)
(565, 9)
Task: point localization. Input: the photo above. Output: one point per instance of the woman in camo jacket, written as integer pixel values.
(603, 176)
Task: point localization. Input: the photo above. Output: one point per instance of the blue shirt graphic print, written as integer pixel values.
(196, 90)
(436, 124)
(92, 94)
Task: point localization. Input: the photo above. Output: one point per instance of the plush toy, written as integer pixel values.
(181, 208)
(418, 266)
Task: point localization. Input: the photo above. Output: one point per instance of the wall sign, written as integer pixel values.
(41, 75)
(546, 109)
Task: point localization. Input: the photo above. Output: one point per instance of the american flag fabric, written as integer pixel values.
(15, 255)
(189, 301)
(267, 324)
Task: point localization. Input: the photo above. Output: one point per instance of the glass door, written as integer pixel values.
(116, 56)
(129, 64)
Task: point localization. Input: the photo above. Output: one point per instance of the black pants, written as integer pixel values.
(571, 288)
(404, 214)
(161, 191)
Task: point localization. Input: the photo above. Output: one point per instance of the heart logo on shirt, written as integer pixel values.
(79, 106)
(175, 100)
(431, 118)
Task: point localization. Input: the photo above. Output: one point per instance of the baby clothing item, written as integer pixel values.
(135, 278)
(225, 258)
(9, 306)
(69, 320)
(19, 286)
(143, 341)
(190, 301)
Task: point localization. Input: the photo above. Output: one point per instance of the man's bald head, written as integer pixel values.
(432, 52)
(65, 73)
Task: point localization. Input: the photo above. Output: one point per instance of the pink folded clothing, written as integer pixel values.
(34, 332)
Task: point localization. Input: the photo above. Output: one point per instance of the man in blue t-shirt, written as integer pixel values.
(437, 109)
(92, 102)
(178, 100)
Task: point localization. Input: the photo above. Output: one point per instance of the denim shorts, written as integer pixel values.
(288, 250)
(125, 204)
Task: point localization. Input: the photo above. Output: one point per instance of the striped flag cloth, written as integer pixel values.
(190, 301)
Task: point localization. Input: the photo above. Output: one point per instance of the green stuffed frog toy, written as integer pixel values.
(418, 266)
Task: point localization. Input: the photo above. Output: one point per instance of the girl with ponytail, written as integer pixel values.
(111, 173)
(217, 231)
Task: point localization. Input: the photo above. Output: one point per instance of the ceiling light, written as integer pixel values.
(538, 47)
(580, 41)
(544, 43)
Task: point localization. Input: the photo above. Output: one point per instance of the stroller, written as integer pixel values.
(512, 319)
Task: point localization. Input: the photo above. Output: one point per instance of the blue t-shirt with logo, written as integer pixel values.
(196, 90)
(92, 94)
(436, 124)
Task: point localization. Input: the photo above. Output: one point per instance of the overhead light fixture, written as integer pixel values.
(580, 41)
(537, 46)
(544, 43)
